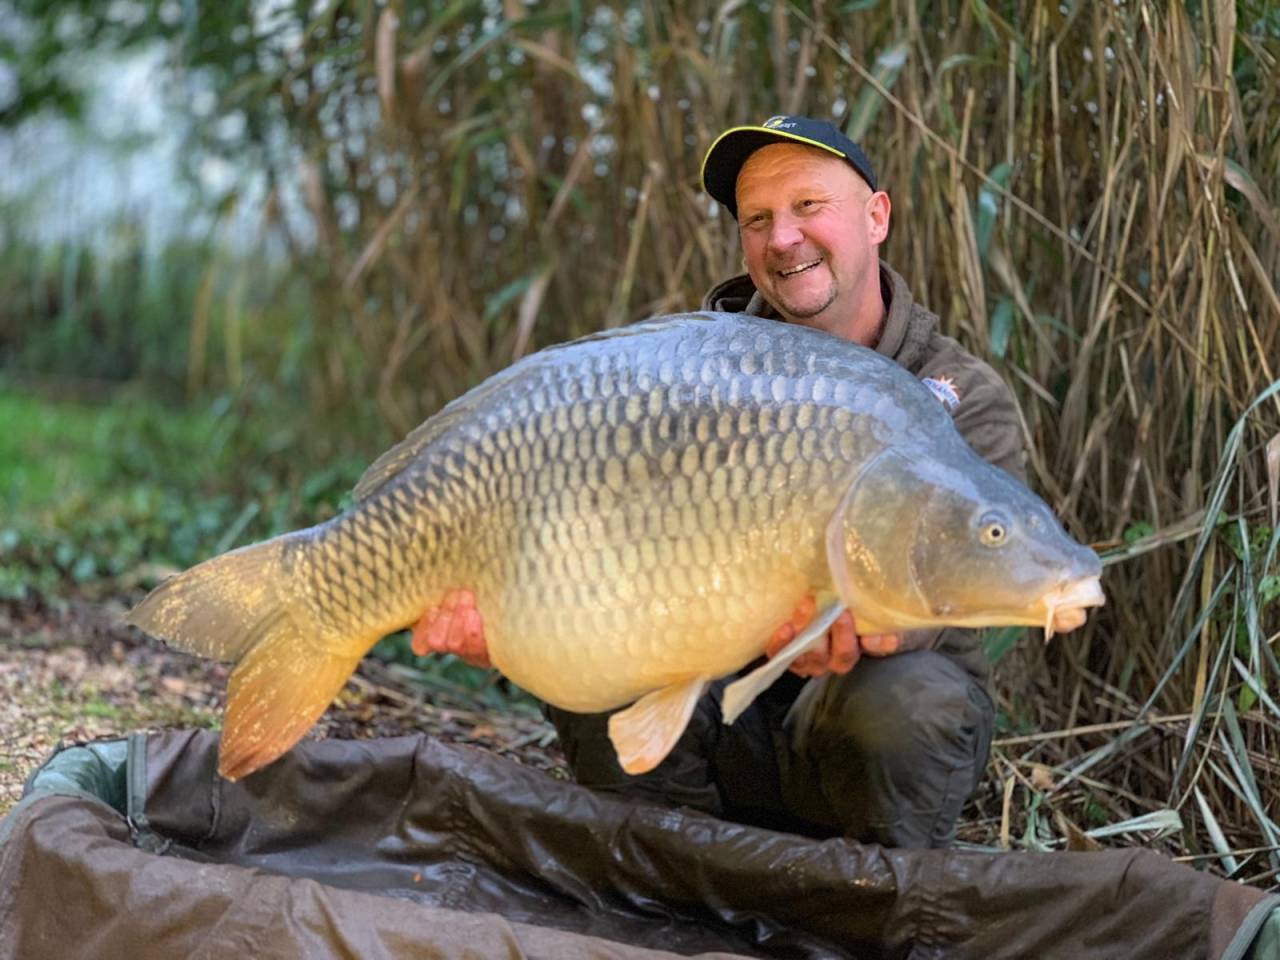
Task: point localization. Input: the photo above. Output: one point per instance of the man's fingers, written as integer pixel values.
(457, 630)
(813, 662)
(455, 626)
(473, 626)
(475, 651)
(803, 613)
(781, 637)
(844, 644)
(882, 645)
(420, 629)
(437, 636)
(799, 618)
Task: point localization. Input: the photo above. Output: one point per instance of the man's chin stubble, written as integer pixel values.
(801, 316)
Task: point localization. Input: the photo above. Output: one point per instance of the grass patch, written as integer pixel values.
(101, 709)
(52, 451)
(92, 492)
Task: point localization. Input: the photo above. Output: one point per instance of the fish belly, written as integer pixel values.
(603, 642)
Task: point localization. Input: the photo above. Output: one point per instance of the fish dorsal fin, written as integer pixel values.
(392, 463)
(388, 466)
(644, 733)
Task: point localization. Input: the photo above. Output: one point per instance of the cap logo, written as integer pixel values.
(774, 123)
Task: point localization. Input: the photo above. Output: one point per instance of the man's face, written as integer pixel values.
(810, 228)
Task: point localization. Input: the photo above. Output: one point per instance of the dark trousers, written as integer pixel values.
(887, 754)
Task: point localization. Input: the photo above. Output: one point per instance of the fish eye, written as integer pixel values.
(993, 530)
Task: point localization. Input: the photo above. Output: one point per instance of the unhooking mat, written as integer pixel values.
(405, 847)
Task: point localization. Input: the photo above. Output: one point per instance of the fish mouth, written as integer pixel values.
(1066, 604)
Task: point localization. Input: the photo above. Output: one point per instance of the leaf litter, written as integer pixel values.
(70, 672)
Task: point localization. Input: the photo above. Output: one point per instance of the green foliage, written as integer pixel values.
(188, 319)
(999, 641)
(133, 488)
(1245, 540)
(1137, 531)
(111, 498)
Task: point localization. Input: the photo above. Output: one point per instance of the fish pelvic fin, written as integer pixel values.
(237, 607)
(644, 733)
(739, 694)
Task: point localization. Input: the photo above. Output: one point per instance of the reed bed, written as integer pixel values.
(1086, 194)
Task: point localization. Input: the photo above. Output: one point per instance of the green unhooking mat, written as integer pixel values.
(405, 847)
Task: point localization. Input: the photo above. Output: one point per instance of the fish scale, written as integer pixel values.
(634, 514)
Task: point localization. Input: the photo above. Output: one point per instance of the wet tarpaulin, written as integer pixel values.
(406, 847)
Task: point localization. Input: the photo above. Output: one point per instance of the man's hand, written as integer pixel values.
(841, 649)
(455, 626)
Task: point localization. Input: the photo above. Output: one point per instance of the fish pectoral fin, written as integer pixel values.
(644, 733)
(739, 694)
(276, 692)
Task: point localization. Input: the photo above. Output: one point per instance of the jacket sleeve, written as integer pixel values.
(988, 418)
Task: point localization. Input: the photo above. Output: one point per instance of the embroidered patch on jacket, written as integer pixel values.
(944, 388)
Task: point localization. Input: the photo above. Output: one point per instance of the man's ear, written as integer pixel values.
(878, 209)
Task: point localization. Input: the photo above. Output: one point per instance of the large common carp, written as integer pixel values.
(635, 513)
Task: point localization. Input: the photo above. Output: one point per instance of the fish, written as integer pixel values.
(634, 513)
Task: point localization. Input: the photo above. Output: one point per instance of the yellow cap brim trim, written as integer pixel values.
(702, 172)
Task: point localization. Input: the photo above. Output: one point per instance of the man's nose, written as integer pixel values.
(785, 234)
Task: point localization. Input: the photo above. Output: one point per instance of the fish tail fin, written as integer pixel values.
(275, 695)
(238, 607)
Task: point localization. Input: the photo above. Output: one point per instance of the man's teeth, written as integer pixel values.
(800, 268)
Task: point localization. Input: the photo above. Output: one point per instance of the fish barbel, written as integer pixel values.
(635, 513)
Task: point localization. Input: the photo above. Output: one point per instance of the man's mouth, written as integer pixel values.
(799, 268)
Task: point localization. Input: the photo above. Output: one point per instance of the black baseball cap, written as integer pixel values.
(723, 162)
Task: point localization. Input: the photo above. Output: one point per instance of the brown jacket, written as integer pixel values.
(981, 404)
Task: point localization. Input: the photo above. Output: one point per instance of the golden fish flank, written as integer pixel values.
(634, 513)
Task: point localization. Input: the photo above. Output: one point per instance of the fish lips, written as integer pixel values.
(1071, 598)
(1085, 592)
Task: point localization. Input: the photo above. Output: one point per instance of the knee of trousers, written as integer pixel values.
(905, 711)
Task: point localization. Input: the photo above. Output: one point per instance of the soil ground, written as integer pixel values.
(71, 672)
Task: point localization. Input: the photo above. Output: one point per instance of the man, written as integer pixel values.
(883, 748)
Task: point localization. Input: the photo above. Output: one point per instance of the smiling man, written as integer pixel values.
(810, 226)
